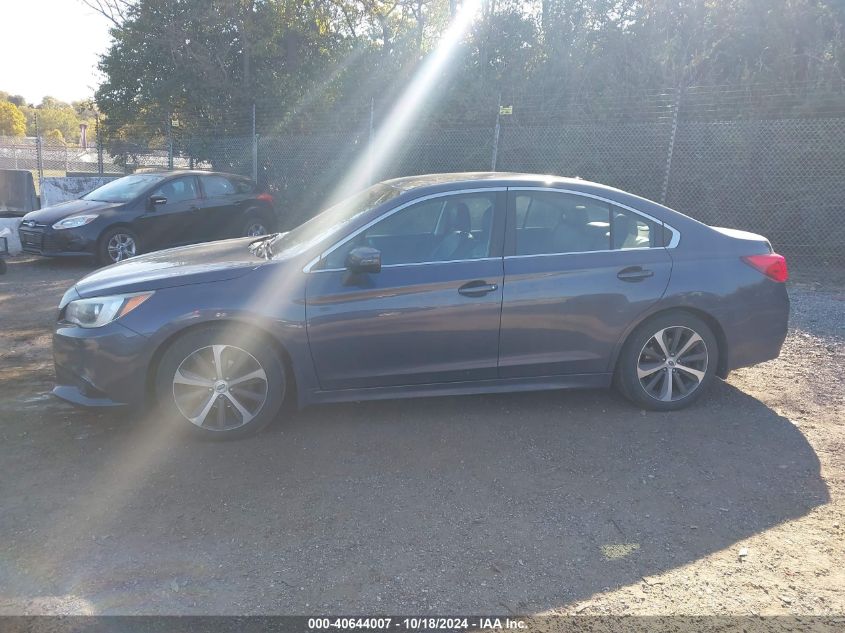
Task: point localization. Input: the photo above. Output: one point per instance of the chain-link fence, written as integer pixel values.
(781, 177)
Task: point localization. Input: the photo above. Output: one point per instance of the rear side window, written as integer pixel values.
(243, 185)
(630, 230)
(217, 186)
(548, 223)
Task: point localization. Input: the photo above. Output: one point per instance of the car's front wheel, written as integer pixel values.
(255, 226)
(117, 245)
(220, 383)
(668, 362)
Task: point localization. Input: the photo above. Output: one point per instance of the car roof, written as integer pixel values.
(490, 179)
(188, 172)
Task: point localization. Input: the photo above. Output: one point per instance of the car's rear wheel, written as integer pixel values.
(220, 383)
(117, 245)
(668, 362)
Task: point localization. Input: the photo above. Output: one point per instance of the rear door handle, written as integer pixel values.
(634, 273)
(477, 288)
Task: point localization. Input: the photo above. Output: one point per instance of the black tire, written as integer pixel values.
(252, 221)
(188, 352)
(642, 352)
(105, 255)
(2, 266)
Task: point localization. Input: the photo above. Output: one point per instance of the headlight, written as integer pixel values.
(75, 221)
(98, 311)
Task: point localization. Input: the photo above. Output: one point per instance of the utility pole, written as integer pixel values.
(99, 145)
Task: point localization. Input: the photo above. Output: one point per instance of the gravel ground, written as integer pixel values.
(564, 502)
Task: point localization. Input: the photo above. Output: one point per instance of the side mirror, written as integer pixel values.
(154, 201)
(364, 260)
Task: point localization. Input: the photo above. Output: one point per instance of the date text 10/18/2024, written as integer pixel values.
(417, 623)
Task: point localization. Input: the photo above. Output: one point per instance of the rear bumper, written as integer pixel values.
(757, 327)
(100, 367)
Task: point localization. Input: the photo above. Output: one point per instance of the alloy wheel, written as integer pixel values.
(121, 246)
(220, 387)
(672, 364)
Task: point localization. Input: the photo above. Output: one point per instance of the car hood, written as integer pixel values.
(200, 263)
(51, 215)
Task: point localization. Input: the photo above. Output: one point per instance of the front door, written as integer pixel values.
(170, 223)
(578, 271)
(431, 315)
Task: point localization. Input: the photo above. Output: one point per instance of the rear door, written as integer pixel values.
(578, 270)
(221, 210)
(431, 315)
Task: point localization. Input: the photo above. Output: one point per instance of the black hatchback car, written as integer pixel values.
(147, 212)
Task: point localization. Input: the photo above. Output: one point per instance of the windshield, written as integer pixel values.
(332, 220)
(123, 189)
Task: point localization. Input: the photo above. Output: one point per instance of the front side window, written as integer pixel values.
(548, 223)
(447, 228)
(217, 186)
(178, 190)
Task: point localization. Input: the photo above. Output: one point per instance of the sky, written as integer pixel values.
(51, 47)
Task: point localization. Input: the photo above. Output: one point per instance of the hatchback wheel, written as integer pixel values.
(255, 227)
(220, 383)
(117, 245)
(668, 362)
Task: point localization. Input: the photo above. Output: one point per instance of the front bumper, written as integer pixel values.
(101, 367)
(43, 240)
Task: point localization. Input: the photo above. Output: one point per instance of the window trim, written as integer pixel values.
(308, 267)
(676, 235)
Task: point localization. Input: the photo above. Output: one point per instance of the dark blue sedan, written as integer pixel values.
(439, 284)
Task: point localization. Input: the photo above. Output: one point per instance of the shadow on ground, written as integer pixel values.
(521, 502)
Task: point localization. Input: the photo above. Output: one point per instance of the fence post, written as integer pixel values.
(39, 158)
(370, 142)
(254, 147)
(496, 133)
(170, 141)
(665, 189)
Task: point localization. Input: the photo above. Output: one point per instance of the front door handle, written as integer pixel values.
(477, 288)
(634, 273)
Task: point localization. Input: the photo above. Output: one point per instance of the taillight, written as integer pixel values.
(771, 265)
(266, 197)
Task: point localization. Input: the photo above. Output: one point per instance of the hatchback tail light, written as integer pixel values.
(772, 265)
(265, 197)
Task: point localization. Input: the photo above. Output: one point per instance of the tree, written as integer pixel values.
(56, 135)
(12, 120)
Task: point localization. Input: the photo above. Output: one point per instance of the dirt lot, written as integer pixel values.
(570, 502)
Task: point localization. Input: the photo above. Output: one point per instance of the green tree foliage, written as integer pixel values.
(12, 120)
(205, 62)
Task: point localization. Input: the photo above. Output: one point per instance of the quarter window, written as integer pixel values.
(447, 228)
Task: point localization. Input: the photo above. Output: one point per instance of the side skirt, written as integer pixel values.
(500, 385)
